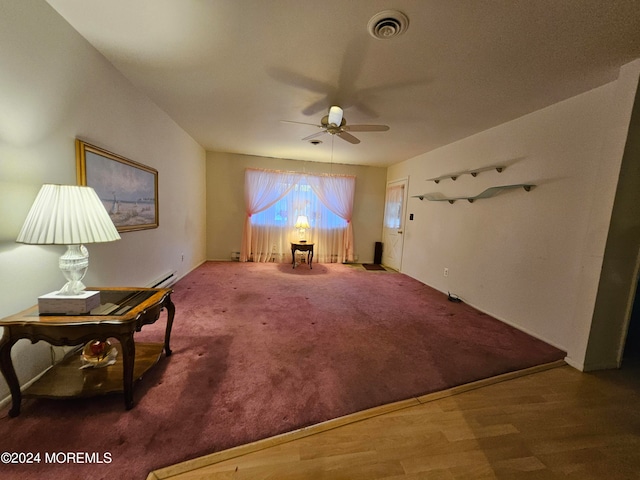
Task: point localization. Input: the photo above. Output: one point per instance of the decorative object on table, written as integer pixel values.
(69, 215)
(55, 303)
(97, 353)
(302, 224)
(128, 189)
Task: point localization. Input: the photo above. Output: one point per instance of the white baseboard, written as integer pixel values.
(574, 364)
(6, 400)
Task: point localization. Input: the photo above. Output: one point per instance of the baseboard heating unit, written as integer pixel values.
(164, 281)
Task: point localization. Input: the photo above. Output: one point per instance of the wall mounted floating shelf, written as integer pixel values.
(488, 193)
(473, 173)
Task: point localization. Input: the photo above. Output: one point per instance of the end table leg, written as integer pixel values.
(128, 360)
(171, 311)
(6, 366)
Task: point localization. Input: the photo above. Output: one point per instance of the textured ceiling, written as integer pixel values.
(227, 71)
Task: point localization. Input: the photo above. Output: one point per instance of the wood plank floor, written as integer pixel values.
(556, 423)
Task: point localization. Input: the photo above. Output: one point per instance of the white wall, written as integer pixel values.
(225, 200)
(532, 259)
(55, 87)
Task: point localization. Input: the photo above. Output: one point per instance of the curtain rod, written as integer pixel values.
(313, 174)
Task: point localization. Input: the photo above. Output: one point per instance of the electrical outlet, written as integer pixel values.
(446, 272)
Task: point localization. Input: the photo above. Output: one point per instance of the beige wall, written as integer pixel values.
(225, 200)
(55, 87)
(531, 259)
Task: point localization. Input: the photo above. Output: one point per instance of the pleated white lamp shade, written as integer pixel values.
(67, 215)
(302, 222)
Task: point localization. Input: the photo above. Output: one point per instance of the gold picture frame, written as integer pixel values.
(128, 189)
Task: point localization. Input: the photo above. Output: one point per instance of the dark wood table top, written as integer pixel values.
(118, 305)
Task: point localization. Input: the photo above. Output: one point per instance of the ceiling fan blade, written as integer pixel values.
(366, 128)
(314, 135)
(335, 116)
(301, 123)
(348, 137)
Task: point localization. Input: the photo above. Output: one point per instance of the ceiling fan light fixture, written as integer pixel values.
(334, 124)
(388, 24)
(335, 116)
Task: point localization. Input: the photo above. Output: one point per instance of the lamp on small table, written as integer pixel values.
(69, 215)
(302, 224)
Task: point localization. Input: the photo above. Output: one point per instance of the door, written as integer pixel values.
(393, 228)
(631, 353)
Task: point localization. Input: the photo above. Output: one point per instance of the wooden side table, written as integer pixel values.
(123, 312)
(302, 247)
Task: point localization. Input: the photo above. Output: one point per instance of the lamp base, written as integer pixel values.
(74, 264)
(56, 304)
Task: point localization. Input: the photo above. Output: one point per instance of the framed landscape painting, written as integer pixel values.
(128, 190)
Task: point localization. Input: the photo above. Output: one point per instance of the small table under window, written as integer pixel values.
(302, 247)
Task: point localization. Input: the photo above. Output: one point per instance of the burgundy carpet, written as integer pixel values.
(262, 349)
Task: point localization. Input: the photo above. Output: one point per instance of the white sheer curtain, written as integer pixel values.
(326, 200)
(336, 193)
(262, 189)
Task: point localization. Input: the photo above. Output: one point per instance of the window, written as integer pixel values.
(276, 199)
(301, 200)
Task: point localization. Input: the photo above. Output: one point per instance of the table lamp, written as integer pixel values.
(302, 223)
(69, 215)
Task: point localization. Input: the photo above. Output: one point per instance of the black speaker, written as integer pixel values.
(377, 255)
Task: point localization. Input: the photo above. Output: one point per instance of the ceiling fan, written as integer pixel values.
(335, 124)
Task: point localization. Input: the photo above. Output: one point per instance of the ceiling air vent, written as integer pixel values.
(388, 24)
